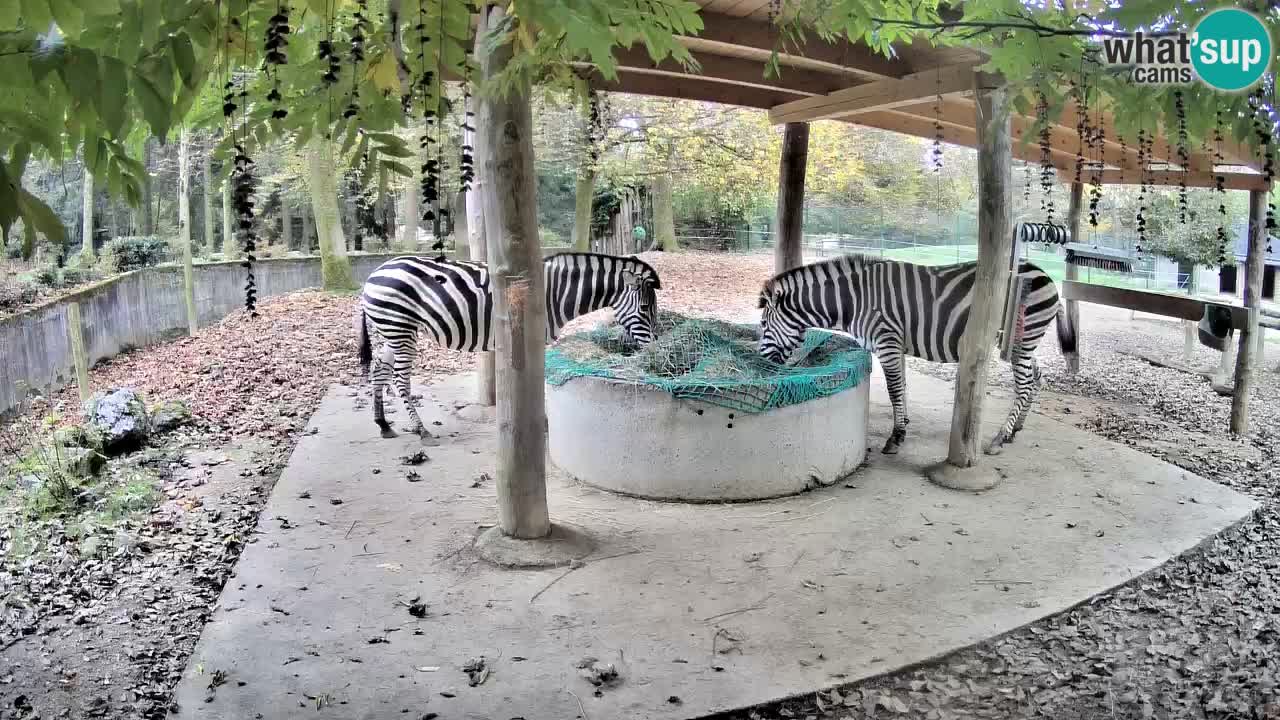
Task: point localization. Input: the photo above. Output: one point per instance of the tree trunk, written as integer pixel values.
(228, 225)
(206, 170)
(148, 220)
(990, 285)
(184, 228)
(664, 223)
(519, 307)
(1252, 300)
(87, 256)
(585, 188)
(308, 244)
(322, 182)
(788, 251)
(409, 200)
(1074, 208)
(286, 224)
(1189, 327)
(479, 248)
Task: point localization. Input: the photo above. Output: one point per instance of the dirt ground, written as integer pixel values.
(106, 634)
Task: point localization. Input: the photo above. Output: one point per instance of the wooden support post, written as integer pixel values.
(788, 250)
(995, 154)
(1252, 301)
(1074, 209)
(584, 186)
(87, 256)
(519, 306)
(479, 247)
(1190, 334)
(184, 228)
(79, 354)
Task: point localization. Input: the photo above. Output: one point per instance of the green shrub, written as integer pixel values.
(77, 276)
(136, 251)
(48, 277)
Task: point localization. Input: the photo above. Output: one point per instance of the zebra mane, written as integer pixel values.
(643, 268)
(854, 259)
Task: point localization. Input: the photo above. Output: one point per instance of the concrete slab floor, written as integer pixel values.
(700, 608)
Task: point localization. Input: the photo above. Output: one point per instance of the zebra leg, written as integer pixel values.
(403, 366)
(1026, 379)
(381, 369)
(891, 361)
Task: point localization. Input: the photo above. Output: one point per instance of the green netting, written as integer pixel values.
(713, 361)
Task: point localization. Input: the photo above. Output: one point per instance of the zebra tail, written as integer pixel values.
(1067, 339)
(366, 348)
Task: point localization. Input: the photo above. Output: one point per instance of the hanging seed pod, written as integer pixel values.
(1219, 187)
(274, 56)
(1047, 171)
(1184, 156)
(243, 185)
(1142, 190)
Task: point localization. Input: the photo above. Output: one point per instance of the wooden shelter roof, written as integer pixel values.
(852, 83)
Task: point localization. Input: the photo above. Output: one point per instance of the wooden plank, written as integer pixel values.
(692, 87)
(878, 95)
(990, 287)
(519, 306)
(1252, 301)
(789, 239)
(1147, 301)
(1167, 178)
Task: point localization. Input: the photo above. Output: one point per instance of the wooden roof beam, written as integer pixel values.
(692, 87)
(762, 36)
(732, 70)
(1161, 149)
(878, 95)
(1173, 178)
(914, 125)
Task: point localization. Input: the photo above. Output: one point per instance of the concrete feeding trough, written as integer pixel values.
(697, 416)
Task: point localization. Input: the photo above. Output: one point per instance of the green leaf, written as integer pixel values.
(37, 215)
(130, 39)
(115, 91)
(152, 20)
(397, 150)
(155, 107)
(81, 77)
(18, 157)
(36, 14)
(69, 16)
(396, 167)
(184, 57)
(10, 12)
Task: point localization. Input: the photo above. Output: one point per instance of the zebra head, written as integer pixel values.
(636, 307)
(781, 329)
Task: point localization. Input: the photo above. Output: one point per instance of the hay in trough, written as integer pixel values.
(712, 361)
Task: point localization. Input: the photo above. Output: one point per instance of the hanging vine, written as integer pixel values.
(1097, 141)
(1267, 155)
(1142, 191)
(1219, 187)
(936, 151)
(1184, 155)
(275, 57)
(359, 26)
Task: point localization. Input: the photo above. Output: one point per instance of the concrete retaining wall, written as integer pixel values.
(135, 310)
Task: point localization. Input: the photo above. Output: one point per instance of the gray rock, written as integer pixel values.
(120, 416)
(169, 415)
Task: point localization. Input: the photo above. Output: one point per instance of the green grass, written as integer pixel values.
(1052, 264)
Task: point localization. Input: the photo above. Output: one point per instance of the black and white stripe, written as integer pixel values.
(450, 302)
(898, 308)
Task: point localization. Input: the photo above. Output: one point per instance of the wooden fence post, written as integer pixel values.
(1074, 209)
(79, 354)
(788, 248)
(519, 306)
(995, 153)
(1252, 300)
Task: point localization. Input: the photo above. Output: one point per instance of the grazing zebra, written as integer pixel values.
(450, 301)
(896, 308)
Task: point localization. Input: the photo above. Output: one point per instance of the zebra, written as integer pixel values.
(896, 308)
(450, 301)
